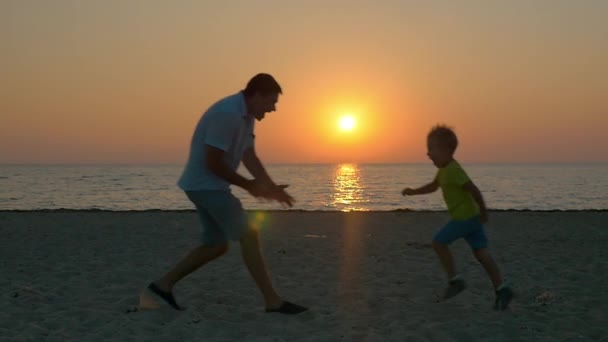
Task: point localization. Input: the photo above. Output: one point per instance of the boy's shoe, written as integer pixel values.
(503, 298)
(454, 287)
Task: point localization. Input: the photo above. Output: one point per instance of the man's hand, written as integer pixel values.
(254, 188)
(270, 191)
(408, 192)
(279, 194)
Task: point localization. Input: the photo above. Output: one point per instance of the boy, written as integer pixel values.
(468, 211)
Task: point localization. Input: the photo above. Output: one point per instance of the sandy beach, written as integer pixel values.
(77, 276)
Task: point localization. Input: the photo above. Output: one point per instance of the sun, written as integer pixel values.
(347, 123)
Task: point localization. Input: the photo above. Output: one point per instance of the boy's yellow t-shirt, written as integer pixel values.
(461, 204)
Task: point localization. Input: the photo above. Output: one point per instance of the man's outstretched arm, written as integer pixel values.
(255, 166)
(257, 170)
(215, 162)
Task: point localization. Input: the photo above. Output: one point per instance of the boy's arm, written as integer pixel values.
(426, 189)
(474, 191)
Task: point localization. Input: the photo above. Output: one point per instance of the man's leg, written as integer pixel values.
(252, 256)
(228, 211)
(190, 263)
(214, 243)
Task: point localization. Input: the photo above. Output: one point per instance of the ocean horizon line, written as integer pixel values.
(319, 163)
(94, 210)
(318, 187)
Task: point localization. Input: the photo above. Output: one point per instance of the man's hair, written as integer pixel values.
(263, 84)
(445, 136)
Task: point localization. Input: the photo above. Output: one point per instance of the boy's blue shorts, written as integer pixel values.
(471, 230)
(221, 214)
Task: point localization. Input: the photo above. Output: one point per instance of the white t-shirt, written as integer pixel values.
(225, 125)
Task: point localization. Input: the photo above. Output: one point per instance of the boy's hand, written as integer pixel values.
(408, 192)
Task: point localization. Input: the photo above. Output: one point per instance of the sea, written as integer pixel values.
(316, 187)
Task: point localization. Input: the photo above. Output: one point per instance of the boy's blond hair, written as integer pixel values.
(445, 136)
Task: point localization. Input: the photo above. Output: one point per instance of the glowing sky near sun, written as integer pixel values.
(126, 81)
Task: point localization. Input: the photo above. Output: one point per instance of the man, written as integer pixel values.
(222, 139)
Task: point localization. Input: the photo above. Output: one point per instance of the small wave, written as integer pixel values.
(9, 199)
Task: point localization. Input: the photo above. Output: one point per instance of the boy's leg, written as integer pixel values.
(479, 243)
(455, 283)
(485, 259)
(446, 258)
(452, 231)
(504, 294)
(449, 233)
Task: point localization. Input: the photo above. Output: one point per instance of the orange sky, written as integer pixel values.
(125, 82)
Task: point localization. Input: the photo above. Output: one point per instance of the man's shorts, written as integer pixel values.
(471, 230)
(221, 214)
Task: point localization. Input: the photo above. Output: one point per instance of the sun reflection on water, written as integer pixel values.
(348, 191)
